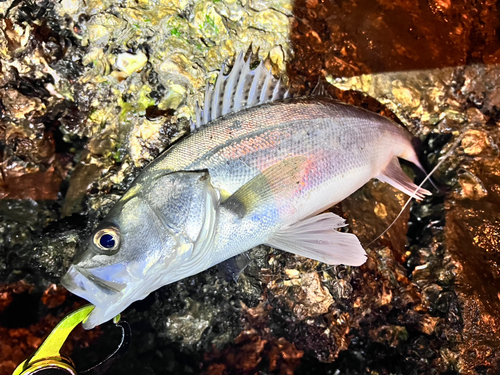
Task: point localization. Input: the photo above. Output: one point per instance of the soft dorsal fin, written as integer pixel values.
(242, 88)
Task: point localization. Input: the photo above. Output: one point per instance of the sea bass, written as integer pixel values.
(258, 168)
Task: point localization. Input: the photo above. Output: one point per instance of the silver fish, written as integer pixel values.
(259, 168)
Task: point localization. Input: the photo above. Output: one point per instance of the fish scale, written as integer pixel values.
(318, 127)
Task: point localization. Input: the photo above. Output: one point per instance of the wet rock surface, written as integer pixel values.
(90, 92)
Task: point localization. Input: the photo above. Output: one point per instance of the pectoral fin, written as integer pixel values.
(278, 182)
(232, 268)
(394, 176)
(317, 238)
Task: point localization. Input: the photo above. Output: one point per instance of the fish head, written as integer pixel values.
(158, 233)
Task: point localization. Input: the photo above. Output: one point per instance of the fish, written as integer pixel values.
(259, 167)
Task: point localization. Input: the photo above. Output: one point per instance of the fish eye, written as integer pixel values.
(107, 240)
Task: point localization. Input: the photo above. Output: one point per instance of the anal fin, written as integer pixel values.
(394, 176)
(318, 239)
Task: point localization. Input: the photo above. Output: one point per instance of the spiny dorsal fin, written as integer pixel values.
(242, 88)
(320, 90)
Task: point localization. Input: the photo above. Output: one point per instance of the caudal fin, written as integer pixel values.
(413, 158)
(394, 176)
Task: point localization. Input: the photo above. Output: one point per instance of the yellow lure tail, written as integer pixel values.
(48, 355)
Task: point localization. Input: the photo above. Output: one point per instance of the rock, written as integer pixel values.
(130, 63)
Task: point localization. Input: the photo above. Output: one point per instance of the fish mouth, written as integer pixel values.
(104, 295)
(90, 287)
(103, 284)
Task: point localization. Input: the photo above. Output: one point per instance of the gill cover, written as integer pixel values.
(158, 233)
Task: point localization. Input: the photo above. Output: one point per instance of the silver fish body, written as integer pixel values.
(257, 176)
(342, 148)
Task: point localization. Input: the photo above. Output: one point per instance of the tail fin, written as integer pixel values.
(414, 159)
(417, 145)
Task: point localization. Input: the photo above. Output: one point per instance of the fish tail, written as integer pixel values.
(410, 154)
(416, 144)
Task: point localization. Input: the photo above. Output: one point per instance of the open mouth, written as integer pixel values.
(103, 284)
(79, 282)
